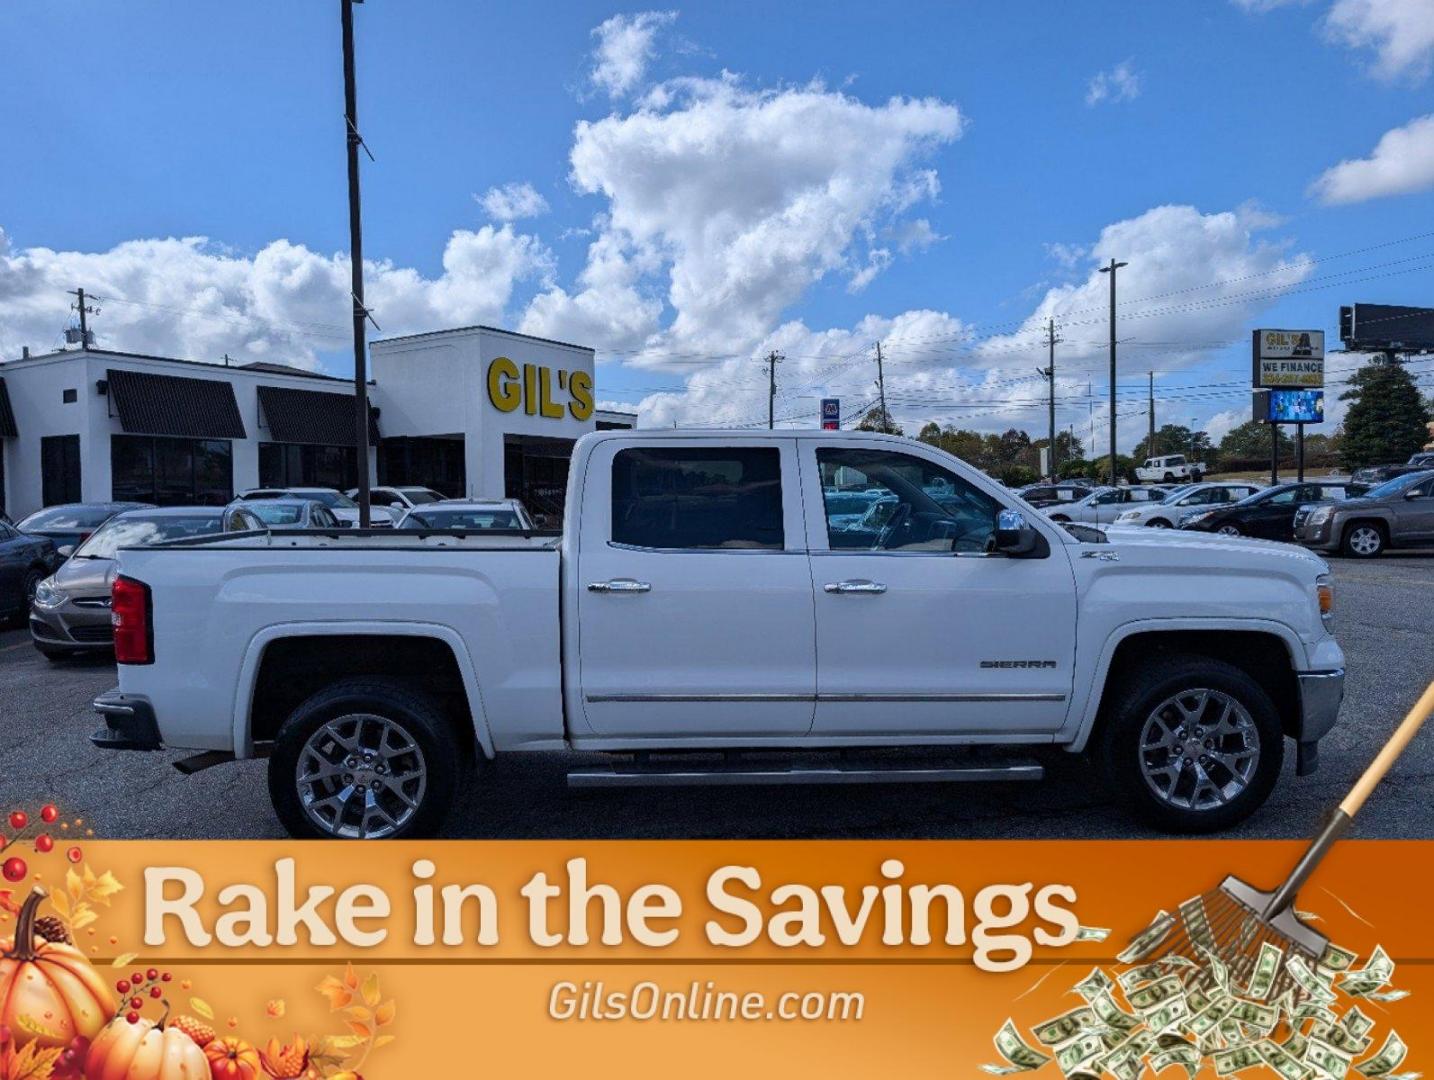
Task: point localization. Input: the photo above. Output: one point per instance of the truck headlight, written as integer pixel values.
(48, 597)
(1320, 515)
(1324, 592)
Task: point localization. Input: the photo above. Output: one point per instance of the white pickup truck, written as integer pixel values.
(1169, 469)
(712, 612)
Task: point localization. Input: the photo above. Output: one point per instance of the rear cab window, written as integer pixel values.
(695, 498)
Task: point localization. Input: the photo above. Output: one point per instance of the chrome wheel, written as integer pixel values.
(1199, 749)
(1159, 523)
(361, 776)
(1228, 530)
(1365, 540)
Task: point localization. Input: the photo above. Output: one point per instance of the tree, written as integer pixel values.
(1174, 439)
(878, 419)
(1387, 419)
(1248, 446)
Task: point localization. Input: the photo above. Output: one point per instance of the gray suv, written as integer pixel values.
(1398, 513)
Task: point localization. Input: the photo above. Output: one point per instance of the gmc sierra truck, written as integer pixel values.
(712, 613)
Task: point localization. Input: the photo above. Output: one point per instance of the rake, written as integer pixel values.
(1234, 921)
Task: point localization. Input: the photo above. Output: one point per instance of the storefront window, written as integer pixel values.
(296, 465)
(423, 461)
(171, 472)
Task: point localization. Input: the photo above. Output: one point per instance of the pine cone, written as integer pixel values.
(52, 929)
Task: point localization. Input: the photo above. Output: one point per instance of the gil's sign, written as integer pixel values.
(1289, 359)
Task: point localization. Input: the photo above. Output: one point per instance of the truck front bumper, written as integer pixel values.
(129, 723)
(1321, 693)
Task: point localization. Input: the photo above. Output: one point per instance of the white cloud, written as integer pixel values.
(1401, 32)
(1120, 83)
(512, 202)
(1261, 6)
(625, 46)
(286, 303)
(1068, 255)
(1402, 163)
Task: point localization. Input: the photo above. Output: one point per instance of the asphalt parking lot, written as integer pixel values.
(1385, 621)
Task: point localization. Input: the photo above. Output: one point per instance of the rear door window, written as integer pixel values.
(692, 498)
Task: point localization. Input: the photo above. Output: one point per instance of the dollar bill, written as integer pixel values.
(1387, 995)
(1313, 1010)
(1236, 1059)
(1219, 973)
(1094, 984)
(1208, 1019)
(1313, 986)
(1336, 959)
(1391, 1055)
(1267, 966)
(1092, 933)
(1374, 975)
(1144, 973)
(1328, 1059)
(1064, 1028)
(1112, 1015)
(1286, 1064)
(1186, 1056)
(1168, 1015)
(1197, 998)
(1355, 1022)
(1259, 1016)
(1148, 940)
(1021, 1057)
(1341, 1038)
(1153, 995)
(1295, 1043)
(1080, 1052)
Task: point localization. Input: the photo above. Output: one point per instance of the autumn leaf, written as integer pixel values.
(340, 1042)
(84, 915)
(74, 885)
(276, 1008)
(363, 1031)
(337, 993)
(383, 1040)
(371, 994)
(351, 979)
(123, 960)
(33, 1063)
(61, 903)
(359, 1013)
(202, 1007)
(103, 888)
(7, 902)
(384, 1014)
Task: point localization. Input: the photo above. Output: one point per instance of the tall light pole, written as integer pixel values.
(1111, 269)
(360, 312)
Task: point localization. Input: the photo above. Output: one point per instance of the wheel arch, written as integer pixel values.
(284, 665)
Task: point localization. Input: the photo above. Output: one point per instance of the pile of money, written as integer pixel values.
(1299, 1018)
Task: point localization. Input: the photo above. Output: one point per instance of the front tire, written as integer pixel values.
(365, 758)
(1190, 744)
(1229, 530)
(1363, 540)
(1158, 523)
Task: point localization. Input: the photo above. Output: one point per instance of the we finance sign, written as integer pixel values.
(1289, 359)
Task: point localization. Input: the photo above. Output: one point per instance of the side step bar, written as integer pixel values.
(673, 773)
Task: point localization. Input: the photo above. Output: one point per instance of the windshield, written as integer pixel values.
(1176, 493)
(278, 513)
(141, 530)
(421, 496)
(332, 499)
(67, 517)
(1395, 486)
(463, 519)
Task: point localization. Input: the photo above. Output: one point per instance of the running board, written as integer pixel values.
(711, 774)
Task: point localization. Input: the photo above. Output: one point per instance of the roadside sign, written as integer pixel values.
(831, 413)
(1289, 406)
(1288, 359)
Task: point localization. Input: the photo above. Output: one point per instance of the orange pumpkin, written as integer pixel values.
(232, 1059)
(49, 993)
(144, 1050)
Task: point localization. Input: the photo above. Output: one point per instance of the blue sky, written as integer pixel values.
(721, 180)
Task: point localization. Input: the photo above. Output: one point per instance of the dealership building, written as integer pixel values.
(471, 412)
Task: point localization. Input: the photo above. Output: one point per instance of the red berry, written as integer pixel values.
(14, 869)
(49, 813)
(74, 854)
(137, 978)
(166, 977)
(152, 974)
(155, 991)
(136, 1003)
(122, 986)
(19, 819)
(132, 1017)
(43, 844)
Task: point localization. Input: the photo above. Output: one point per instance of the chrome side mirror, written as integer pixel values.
(64, 551)
(1014, 535)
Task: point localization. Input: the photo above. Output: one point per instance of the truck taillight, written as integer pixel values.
(131, 613)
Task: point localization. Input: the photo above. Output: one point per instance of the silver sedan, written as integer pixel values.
(1103, 505)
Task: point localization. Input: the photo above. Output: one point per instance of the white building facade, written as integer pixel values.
(473, 412)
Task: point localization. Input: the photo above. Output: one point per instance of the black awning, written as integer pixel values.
(7, 416)
(150, 404)
(312, 416)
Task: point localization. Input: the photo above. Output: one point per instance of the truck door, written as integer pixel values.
(694, 591)
(919, 631)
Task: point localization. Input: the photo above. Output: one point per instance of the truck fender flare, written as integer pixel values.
(1091, 708)
(254, 655)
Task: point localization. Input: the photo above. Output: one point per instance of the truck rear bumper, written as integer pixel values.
(129, 723)
(1321, 693)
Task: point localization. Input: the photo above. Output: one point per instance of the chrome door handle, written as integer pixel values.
(619, 585)
(858, 586)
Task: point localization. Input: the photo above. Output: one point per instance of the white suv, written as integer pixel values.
(1168, 469)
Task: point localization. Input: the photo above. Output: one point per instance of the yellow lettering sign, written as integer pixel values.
(504, 390)
(539, 391)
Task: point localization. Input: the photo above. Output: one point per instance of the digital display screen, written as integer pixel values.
(1297, 406)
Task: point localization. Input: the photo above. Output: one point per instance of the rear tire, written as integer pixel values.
(1196, 476)
(1229, 530)
(1190, 744)
(1168, 478)
(366, 758)
(1363, 540)
(1158, 523)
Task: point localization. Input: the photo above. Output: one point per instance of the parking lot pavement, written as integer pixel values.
(1385, 621)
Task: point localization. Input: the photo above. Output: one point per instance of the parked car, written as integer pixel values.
(25, 561)
(684, 609)
(1185, 502)
(1043, 495)
(470, 514)
(1103, 505)
(70, 610)
(400, 499)
(1270, 514)
(1170, 468)
(289, 512)
(342, 507)
(70, 524)
(1373, 475)
(1397, 513)
(1424, 459)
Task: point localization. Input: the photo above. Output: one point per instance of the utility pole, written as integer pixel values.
(84, 310)
(360, 312)
(1049, 373)
(1150, 443)
(881, 389)
(773, 359)
(1111, 269)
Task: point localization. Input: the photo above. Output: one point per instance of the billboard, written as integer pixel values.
(1288, 359)
(1374, 327)
(1289, 406)
(831, 413)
